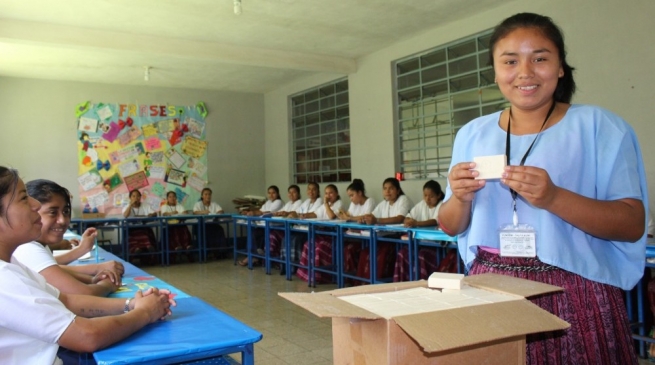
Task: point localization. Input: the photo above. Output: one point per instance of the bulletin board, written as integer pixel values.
(153, 148)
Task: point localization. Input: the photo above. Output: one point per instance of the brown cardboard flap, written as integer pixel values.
(446, 330)
(510, 285)
(378, 288)
(326, 305)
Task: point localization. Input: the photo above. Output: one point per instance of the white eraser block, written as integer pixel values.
(490, 167)
(443, 280)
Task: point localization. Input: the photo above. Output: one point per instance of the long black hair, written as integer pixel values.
(565, 85)
(44, 190)
(393, 181)
(8, 184)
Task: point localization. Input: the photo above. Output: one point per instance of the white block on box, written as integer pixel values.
(442, 280)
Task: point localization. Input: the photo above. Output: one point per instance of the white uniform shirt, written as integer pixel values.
(178, 209)
(400, 207)
(213, 208)
(32, 318)
(272, 206)
(35, 256)
(309, 207)
(356, 210)
(291, 206)
(321, 212)
(421, 212)
(142, 211)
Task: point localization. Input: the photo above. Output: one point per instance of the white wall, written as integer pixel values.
(39, 138)
(610, 43)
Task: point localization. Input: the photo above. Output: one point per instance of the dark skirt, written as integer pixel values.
(599, 332)
(141, 240)
(179, 238)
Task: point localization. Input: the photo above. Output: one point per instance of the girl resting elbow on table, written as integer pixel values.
(273, 204)
(179, 237)
(55, 209)
(309, 206)
(392, 210)
(140, 239)
(36, 318)
(424, 214)
(214, 233)
(360, 205)
(322, 244)
(276, 236)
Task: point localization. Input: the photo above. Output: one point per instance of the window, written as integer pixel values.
(320, 122)
(437, 92)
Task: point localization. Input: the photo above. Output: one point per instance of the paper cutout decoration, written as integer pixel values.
(196, 128)
(128, 168)
(159, 190)
(104, 112)
(196, 166)
(175, 158)
(181, 196)
(123, 124)
(194, 147)
(81, 108)
(89, 180)
(87, 125)
(124, 139)
(98, 200)
(121, 200)
(177, 177)
(156, 172)
(201, 109)
(136, 181)
(112, 132)
(112, 183)
(149, 130)
(157, 157)
(152, 143)
(129, 152)
(103, 165)
(196, 182)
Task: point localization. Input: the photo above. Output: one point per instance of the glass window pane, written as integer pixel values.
(466, 99)
(311, 95)
(328, 114)
(435, 90)
(409, 80)
(342, 86)
(464, 116)
(328, 102)
(328, 127)
(461, 49)
(407, 66)
(342, 98)
(434, 73)
(433, 58)
(343, 124)
(464, 83)
(326, 90)
(463, 65)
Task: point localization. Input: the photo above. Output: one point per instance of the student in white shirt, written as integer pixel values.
(55, 211)
(424, 214)
(276, 236)
(36, 318)
(179, 237)
(360, 205)
(140, 239)
(322, 244)
(306, 210)
(273, 204)
(214, 233)
(392, 210)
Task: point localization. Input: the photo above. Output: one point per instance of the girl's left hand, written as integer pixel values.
(532, 183)
(107, 275)
(88, 239)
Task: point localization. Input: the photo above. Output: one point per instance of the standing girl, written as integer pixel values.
(575, 188)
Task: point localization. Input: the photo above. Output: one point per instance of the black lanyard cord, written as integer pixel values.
(507, 143)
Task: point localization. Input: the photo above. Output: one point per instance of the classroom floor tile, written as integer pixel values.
(291, 334)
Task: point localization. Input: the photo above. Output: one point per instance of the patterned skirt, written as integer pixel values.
(427, 263)
(179, 236)
(322, 257)
(141, 240)
(599, 332)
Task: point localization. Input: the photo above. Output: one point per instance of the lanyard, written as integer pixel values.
(507, 152)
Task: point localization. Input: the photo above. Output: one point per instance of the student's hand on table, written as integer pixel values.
(88, 239)
(293, 215)
(532, 183)
(409, 222)
(462, 181)
(156, 301)
(369, 219)
(107, 275)
(114, 266)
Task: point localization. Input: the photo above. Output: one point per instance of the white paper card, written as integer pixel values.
(490, 167)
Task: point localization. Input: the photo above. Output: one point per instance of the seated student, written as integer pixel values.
(179, 237)
(36, 318)
(276, 237)
(272, 205)
(309, 206)
(360, 205)
(214, 233)
(424, 214)
(140, 239)
(322, 244)
(95, 279)
(392, 210)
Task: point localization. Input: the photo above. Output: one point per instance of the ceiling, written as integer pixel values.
(203, 44)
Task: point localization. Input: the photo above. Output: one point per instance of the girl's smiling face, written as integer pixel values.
(331, 195)
(293, 195)
(56, 216)
(206, 197)
(312, 192)
(171, 199)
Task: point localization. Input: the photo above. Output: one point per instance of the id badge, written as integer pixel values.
(518, 241)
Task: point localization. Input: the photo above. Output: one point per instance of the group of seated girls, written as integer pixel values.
(396, 208)
(64, 306)
(142, 239)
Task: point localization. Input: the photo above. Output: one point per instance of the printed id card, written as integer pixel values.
(518, 241)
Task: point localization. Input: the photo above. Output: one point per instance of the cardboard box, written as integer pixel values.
(488, 327)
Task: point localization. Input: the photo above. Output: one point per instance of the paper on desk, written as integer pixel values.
(56, 253)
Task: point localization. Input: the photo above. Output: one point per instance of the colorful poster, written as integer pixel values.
(154, 148)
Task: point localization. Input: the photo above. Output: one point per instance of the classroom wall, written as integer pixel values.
(610, 43)
(39, 131)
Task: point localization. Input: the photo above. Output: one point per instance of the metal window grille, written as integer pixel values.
(320, 122)
(436, 93)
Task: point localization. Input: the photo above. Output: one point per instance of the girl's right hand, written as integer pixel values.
(462, 181)
(88, 239)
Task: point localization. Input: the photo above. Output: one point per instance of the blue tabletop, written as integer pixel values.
(196, 330)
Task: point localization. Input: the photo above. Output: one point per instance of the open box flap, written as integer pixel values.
(510, 285)
(450, 329)
(325, 305)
